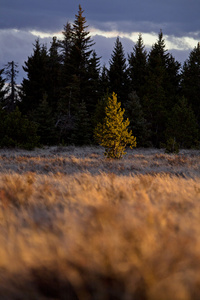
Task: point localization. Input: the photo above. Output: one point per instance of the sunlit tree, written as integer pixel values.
(113, 133)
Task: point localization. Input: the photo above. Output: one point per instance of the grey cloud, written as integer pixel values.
(53, 14)
(40, 15)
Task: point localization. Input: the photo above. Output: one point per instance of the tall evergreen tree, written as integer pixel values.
(93, 92)
(190, 82)
(100, 110)
(104, 80)
(158, 101)
(11, 72)
(138, 124)
(155, 98)
(45, 123)
(3, 89)
(172, 81)
(65, 117)
(117, 71)
(182, 125)
(53, 75)
(137, 67)
(65, 46)
(79, 60)
(82, 127)
(36, 84)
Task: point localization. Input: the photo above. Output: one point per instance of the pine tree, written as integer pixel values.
(3, 89)
(117, 71)
(69, 91)
(65, 46)
(138, 123)
(190, 82)
(113, 133)
(54, 75)
(79, 60)
(45, 123)
(137, 67)
(182, 125)
(172, 81)
(161, 89)
(93, 92)
(155, 93)
(104, 80)
(11, 75)
(100, 111)
(82, 128)
(36, 84)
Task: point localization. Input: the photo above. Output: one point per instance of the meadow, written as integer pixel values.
(77, 226)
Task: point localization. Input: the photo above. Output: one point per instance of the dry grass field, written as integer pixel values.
(77, 226)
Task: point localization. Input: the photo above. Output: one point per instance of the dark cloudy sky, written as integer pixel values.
(22, 21)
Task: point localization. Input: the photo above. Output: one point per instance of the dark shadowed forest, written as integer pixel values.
(64, 95)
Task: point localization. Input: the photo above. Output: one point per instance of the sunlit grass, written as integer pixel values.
(74, 225)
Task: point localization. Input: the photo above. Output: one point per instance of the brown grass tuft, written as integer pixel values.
(77, 226)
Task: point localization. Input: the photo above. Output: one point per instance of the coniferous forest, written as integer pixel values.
(65, 92)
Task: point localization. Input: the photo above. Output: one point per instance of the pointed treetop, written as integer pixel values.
(140, 42)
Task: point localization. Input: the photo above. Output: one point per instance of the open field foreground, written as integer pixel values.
(77, 226)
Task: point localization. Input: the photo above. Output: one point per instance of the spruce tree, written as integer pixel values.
(65, 46)
(172, 81)
(104, 80)
(45, 123)
(155, 95)
(117, 71)
(190, 83)
(100, 111)
(3, 89)
(79, 60)
(182, 125)
(113, 134)
(137, 67)
(36, 84)
(138, 123)
(54, 75)
(93, 92)
(11, 71)
(82, 127)
(160, 89)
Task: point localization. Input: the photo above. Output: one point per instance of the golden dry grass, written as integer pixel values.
(74, 225)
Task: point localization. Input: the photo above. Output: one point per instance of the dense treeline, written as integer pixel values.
(66, 90)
